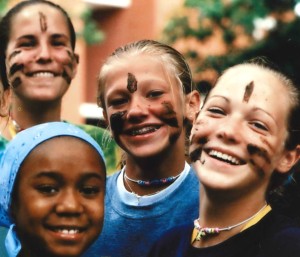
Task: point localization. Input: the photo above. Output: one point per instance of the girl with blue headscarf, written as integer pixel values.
(52, 188)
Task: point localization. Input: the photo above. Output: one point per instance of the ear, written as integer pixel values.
(192, 104)
(288, 160)
(75, 65)
(5, 102)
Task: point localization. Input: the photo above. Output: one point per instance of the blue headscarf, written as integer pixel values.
(15, 153)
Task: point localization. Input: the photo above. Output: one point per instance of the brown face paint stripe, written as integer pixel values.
(131, 83)
(16, 82)
(13, 54)
(255, 150)
(248, 91)
(170, 116)
(117, 121)
(14, 68)
(43, 22)
(195, 155)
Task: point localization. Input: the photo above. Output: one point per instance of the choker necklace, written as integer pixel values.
(204, 232)
(156, 182)
(138, 197)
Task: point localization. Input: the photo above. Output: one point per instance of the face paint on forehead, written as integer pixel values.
(43, 22)
(248, 92)
(117, 121)
(131, 83)
(169, 116)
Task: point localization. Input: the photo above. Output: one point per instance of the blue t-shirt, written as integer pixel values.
(131, 226)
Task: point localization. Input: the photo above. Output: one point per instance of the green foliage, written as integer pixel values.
(280, 44)
(90, 32)
(3, 4)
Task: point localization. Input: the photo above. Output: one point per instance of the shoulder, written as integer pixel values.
(282, 237)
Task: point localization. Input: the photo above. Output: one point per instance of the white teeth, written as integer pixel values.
(69, 231)
(43, 75)
(224, 157)
(143, 131)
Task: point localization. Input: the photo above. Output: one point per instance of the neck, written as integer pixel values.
(224, 214)
(167, 164)
(27, 115)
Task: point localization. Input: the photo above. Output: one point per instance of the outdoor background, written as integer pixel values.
(212, 34)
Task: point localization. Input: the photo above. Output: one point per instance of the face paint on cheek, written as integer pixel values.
(14, 68)
(248, 92)
(168, 115)
(131, 83)
(117, 122)
(14, 54)
(16, 82)
(257, 154)
(43, 22)
(69, 64)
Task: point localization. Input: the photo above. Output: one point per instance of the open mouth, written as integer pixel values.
(225, 158)
(67, 230)
(42, 74)
(143, 131)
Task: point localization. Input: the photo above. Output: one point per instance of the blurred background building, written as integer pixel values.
(212, 34)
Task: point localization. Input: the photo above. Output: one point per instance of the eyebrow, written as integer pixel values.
(255, 108)
(224, 98)
(57, 175)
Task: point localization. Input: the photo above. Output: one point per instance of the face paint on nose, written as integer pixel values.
(131, 83)
(168, 115)
(248, 92)
(43, 22)
(117, 121)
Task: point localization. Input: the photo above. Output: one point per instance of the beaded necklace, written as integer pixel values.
(156, 182)
(203, 232)
(138, 197)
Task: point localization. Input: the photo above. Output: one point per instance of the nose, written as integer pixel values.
(69, 203)
(44, 54)
(229, 130)
(137, 109)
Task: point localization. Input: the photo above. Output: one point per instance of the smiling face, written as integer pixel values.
(144, 106)
(59, 202)
(40, 61)
(238, 138)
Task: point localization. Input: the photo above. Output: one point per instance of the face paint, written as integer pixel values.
(13, 54)
(14, 68)
(248, 91)
(195, 155)
(16, 82)
(169, 116)
(131, 83)
(258, 151)
(43, 22)
(65, 74)
(117, 121)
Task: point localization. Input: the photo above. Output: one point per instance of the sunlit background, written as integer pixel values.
(212, 34)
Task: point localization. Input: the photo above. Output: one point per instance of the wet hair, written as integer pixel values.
(171, 59)
(5, 28)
